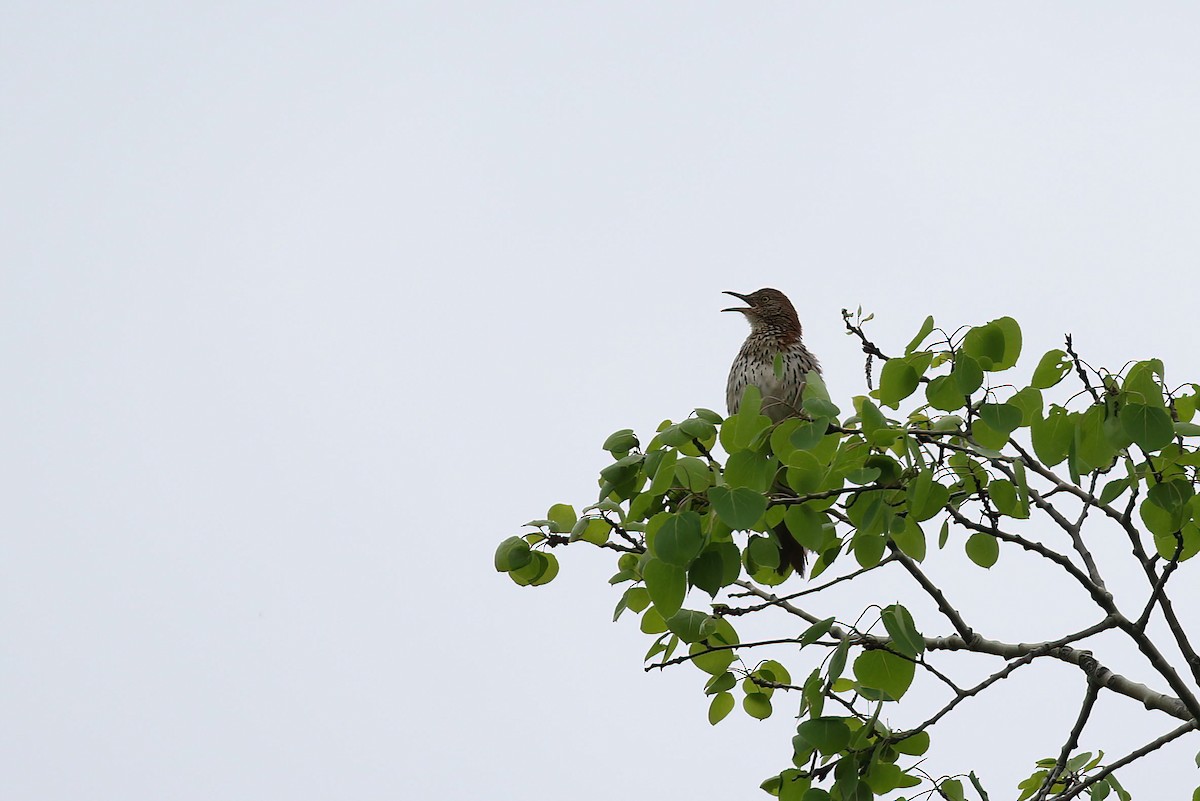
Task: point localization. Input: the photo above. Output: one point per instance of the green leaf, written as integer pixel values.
(1187, 429)
(816, 631)
(952, 790)
(1004, 496)
(1029, 402)
(837, 662)
(652, 623)
(1092, 446)
(984, 343)
(967, 374)
(739, 508)
(988, 438)
(1053, 435)
(1150, 427)
(621, 442)
(1172, 496)
(678, 540)
(751, 469)
(827, 735)
(635, 599)
(590, 529)
(720, 707)
(693, 474)
(884, 671)
(804, 472)
(757, 705)
(686, 624)
(926, 497)
(762, 552)
(562, 516)
(771, 670)
(978, 787)
(715, 662)
(664, 473)
(739, 431)
(983, 549)
(996, 345)
(910, 539)
(915, 745)
(1186, 541)
(903, 631)
(883, 777)
(1054, 365)
(1114, 489)
(794, 786)
(717, 566)
(719, 684)
(806, 436)
(926, 329)
(943, 393)
(667, 585)
(868, 549)
(512, 554)
(897, 381)
(1002, 417)
(1142, 386)
(542, 569)
(1011, 331)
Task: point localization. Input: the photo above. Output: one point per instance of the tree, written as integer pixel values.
(939, 450)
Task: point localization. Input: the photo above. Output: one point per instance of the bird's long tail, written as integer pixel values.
(791, 552)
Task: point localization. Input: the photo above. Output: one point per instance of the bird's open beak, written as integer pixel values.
(739, 297)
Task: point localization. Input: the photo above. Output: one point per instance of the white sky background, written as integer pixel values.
(304, 308)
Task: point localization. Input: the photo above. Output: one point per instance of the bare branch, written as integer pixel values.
(1160, 585)
(1083, 376)
(1150, 699)
(1085, 711)
(939, 598)
(1125, 520)
(744, 610)
(1100, 596)
(1045, 649)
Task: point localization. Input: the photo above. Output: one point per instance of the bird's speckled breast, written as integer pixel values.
(781, 393)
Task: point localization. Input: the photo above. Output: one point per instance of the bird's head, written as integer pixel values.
(768, 310)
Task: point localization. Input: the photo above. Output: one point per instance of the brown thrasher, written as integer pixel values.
(774, 335)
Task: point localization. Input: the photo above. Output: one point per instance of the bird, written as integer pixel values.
(774, 359)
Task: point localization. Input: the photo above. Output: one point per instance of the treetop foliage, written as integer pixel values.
(946, 442)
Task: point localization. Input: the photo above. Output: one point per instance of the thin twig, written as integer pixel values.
(744, 610)
(1085, 711)
(1045, 649)
(1102, 599)
(952, 614)
(1079, 369)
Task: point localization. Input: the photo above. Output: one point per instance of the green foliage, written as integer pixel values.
(701, 508)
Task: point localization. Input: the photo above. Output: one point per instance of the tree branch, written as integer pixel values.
(1045, 649)
(745, 610)
(1101, 597)
(1126, 522)
(1079, 369)
(952, 614)
(1132, 756)
(1085, 711)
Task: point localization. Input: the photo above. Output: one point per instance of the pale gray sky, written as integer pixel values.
(305, 306)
